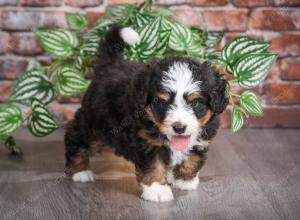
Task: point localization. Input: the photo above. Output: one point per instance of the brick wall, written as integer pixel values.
(274, 20)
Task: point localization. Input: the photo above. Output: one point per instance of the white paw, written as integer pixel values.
(129, 35)
(186, 184)
(157, 193)
(83, 176)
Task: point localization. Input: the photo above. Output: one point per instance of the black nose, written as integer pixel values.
(178, 127)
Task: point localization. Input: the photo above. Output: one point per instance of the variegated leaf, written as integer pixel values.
(57, 42)
(251, 103)
(181, 37)
(70, 81)
(252, 69)
(76, 21)
(10, 119)
(237, 119)
(41, 122)
(241, 46)
(149, 38)
(33, 84)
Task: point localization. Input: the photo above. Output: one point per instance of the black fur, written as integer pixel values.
(113, 108)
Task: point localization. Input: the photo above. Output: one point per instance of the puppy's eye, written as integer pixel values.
(162, 102)
(197, 104)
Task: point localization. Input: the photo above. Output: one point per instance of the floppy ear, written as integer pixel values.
(218, 99)
(141, 89)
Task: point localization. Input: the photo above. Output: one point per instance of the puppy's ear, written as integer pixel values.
(141, 89)
(218, 99)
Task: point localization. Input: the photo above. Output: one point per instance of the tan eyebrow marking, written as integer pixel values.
(164, 96)
(193, 96)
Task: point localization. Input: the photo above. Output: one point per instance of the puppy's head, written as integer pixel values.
(183, 96)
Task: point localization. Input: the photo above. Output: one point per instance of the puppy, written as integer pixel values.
(160, 116)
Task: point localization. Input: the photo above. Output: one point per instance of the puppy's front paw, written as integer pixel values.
(186, 184)
(157, 193)
(83, 176)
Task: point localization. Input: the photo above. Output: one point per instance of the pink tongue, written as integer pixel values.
(180, 143)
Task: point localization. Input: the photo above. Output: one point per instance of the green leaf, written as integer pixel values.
(57, 42)
(119, 13)
(163, 43)
(251, 103)
(181, 37)
(41, 122)
(141, 20)
(149, 37)
(252, 69)
(165, 12)
(76, 21)
(12, 146)
(90, 43)
(211, 40)
(237, 119)
(33, 65)
(33, 84)
(195, 49)
(241, 46)
(70, 81)
(10, 119)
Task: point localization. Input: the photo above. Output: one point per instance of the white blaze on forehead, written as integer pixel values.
(179, 79)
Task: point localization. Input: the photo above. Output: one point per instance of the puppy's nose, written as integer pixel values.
(178, 127)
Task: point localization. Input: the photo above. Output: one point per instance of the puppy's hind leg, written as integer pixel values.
(77, 142)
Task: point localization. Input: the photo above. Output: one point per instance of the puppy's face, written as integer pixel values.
(181, 104)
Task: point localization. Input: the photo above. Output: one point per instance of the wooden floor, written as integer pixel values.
(251, 175)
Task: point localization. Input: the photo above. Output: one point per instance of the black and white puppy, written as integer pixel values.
(160, 116)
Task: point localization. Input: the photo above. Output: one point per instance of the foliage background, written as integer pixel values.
(276, 20)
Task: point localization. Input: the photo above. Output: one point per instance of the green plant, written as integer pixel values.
(246, 59)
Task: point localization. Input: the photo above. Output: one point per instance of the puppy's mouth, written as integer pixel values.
(180, 142)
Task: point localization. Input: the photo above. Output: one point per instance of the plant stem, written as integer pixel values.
(234, 94)
(27, 115)
(232, 81)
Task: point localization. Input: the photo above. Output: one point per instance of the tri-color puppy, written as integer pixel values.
(160, 116)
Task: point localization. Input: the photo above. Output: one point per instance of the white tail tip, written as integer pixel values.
(129, 35)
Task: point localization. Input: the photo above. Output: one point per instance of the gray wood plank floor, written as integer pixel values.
(251, 175)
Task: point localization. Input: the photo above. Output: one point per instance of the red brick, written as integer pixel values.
(5, 90)
(287, 2)
(275, 19)
(28, 19)
(72, 99)
(189, 16)
(12, 68)
(231, 35)
(170, 2)
(285, 44)
(111, 2)
(81, 3)
(281, 117)
(282, 93)
(63, 112)
(41, 3)
(274, 73)
(4, 42)
(8, 2)
(228, 20)
(290, 68)
(252, 3)
(225, 118)
(208, 2)
(25, 44)
(93, 16)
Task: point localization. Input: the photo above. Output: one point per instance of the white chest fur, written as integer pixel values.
(178, 156)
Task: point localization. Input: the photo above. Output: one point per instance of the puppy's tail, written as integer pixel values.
(112, 45)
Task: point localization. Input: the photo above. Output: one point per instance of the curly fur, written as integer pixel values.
(113, 108)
